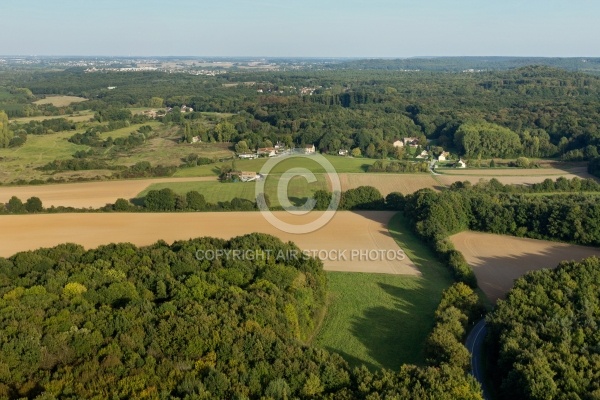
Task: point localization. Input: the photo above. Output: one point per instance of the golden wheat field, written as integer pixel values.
(86, 194)
(498, 259)
(388, 183)
(350, 242)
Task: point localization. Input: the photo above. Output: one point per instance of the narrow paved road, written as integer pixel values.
(475, 346)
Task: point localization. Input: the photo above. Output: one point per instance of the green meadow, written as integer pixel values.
(383, 320)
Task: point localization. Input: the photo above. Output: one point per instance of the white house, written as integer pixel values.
(398, 143)
(424, 154)
(444, 156)
(461, 164)
(267, 151)
(309, 149)
(411, 141)
(244, 176)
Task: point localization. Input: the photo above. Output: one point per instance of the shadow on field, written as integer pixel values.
(500, 260)
(395, 332)
(387, 333)
(353, 361)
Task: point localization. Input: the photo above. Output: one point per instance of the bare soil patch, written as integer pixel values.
(346, 233)
(498, 259)
(87, 194)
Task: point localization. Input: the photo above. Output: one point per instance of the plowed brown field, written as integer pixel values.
(351, 240)
(498, 259)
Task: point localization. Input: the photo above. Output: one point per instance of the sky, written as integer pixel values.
(301, 28)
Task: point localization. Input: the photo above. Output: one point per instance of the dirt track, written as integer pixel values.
(498, 259)
(86, 194)
(347, 231)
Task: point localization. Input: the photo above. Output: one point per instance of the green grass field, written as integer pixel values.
(383, 320)
(79, 116)
(298, 189)
(341, 164)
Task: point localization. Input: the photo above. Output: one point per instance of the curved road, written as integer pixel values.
(474, 344)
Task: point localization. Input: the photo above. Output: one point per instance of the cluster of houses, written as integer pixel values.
(278, 149)
(157, 113)
(183, 109)
(406, 142)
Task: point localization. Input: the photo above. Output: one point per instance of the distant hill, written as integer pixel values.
(458, 64)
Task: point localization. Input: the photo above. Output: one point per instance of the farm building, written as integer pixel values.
(424, 154)
(267, 151)
(343, 152)
(243, 176)
(461, 164)
(309, 149)
(248, 156)
(398, 143)
(411, 141)
(444, 156)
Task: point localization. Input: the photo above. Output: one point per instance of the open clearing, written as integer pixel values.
(369, 234)
(498, 259)
(383, 320)
(86, 194)
(60, 101)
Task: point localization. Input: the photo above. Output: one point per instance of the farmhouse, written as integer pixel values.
(244, 176)
(444, 156)
(309, 149)
(461, 164)
(249, 156)
(424, 154)
(398, 143)
(267, 151)
(411, 141)
(151, 114)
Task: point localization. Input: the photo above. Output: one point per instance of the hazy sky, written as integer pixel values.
(325, 28)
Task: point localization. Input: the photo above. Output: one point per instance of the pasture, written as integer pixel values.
(383, 320)
(498, 260)
(341, 165)
(60, 101)
(298, 189)
(78, 116)
(21, 162)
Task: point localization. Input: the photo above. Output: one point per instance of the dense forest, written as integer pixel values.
(569, 216)
(533, 111)
(545, 334)
(122, 322)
